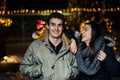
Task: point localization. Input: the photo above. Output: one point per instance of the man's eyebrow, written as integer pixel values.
(55, 23)
(52, 23)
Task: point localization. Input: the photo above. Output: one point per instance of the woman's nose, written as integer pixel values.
(82, 32)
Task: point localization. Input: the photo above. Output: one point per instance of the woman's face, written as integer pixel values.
(86, 34)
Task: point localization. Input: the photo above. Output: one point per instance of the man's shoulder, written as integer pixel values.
(38, 42)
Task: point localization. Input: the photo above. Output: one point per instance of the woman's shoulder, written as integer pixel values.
(109, 41)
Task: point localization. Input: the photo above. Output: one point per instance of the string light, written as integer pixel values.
(27, 11)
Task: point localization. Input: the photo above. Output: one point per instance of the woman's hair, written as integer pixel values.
(95, 34)
(96, 30)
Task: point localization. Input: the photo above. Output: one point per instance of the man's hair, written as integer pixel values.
(56, 15)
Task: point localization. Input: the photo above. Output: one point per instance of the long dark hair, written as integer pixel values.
(96, 32)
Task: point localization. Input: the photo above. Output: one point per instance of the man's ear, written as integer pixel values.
(63, 28)
(47, 26)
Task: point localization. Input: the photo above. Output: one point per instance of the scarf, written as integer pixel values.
(83, 61)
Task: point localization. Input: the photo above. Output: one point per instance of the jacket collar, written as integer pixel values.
(66, 41)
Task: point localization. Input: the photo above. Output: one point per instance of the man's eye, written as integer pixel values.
(60, 25)
(52, 24)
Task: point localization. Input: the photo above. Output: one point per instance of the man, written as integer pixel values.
(49, 58)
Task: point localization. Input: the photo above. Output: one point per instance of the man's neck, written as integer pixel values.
(54, 41)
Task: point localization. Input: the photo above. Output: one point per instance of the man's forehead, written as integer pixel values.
(56, 20)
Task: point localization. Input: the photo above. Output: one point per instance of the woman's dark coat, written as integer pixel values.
(100, 70)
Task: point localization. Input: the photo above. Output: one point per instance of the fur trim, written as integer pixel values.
(110, 41)
(66, 40)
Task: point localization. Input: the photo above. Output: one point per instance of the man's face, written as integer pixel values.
(55, 28)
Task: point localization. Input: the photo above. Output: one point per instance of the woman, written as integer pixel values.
(95, 60)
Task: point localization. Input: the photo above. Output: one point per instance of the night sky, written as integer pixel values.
(36, 4)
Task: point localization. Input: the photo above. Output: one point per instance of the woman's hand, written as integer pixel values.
(102, 55)
(73, 46)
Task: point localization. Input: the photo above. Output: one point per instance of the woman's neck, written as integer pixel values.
(87, 43)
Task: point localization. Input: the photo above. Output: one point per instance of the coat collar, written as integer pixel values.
(66, 41)
(65, 46)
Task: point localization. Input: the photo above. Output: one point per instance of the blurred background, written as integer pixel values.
(22, 21)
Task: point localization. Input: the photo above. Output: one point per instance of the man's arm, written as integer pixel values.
(29, 65)
(73, 46)
(74, 67)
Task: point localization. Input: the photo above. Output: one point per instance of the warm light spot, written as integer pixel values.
(114, 48)
(11, 59)
(5, 57)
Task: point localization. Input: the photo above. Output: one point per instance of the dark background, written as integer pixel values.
(36, 4)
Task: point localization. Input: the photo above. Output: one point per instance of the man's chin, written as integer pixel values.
(56, 37)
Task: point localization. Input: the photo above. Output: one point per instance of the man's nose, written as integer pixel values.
(56, 27)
